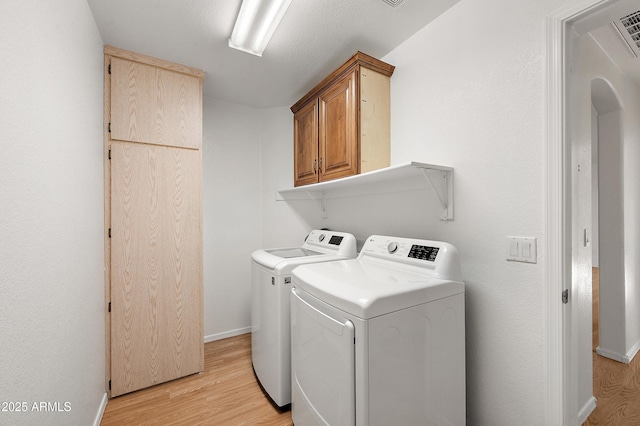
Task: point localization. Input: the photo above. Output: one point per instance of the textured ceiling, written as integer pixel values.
(313, 39)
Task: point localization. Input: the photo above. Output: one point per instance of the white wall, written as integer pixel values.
(595, 238)
(247, 157)
(631, 158)
(283, 224)
(51, 212)
(231, 214)
(469, 93)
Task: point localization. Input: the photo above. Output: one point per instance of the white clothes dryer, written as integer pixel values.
(270, 312)
(380, 340)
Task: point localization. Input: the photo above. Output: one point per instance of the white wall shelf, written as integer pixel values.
(403, 177)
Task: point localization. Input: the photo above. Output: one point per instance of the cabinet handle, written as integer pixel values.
(320, 165)
(314, 167)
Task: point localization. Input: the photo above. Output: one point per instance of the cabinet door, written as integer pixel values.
(155, 105)
(305, 145)
(156, 265)
(338, 130)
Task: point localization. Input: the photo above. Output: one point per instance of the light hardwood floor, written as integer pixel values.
(616, 386)
(226, 393)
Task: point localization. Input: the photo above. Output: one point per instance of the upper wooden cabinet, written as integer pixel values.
(342, 126)
(152, 103)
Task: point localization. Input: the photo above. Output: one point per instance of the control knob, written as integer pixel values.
(392, 247)
(321, 237)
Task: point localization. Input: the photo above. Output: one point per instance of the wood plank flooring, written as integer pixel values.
(616, 385)
(226, 393)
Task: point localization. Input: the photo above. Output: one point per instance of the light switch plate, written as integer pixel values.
(522, 249)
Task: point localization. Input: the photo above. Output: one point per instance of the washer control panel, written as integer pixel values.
(331, 241)
(336, 240)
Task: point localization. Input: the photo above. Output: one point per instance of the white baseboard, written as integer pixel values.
(610, 354)
(100, 413)
(586, 410)
(632, 353)
(626, 358)
(225, 334)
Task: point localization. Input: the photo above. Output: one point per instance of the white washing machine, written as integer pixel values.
(380, 340)
(271, 314)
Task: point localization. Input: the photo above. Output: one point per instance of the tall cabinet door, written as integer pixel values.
(338, 131)
(156, 257)
(153, 209)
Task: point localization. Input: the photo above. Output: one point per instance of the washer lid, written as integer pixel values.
(287, 253)
(320, 246)
(368, 288)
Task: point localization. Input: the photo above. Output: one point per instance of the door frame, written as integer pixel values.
(560, 327)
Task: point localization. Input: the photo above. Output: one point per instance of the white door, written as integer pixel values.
(323, 364)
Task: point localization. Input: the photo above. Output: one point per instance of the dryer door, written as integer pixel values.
(323, 363)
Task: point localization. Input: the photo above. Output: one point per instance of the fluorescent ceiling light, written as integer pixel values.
(256, 23)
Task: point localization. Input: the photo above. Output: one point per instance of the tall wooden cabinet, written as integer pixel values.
(342, 126)
(153, 201)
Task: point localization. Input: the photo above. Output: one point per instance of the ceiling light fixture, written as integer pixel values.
(256, 23)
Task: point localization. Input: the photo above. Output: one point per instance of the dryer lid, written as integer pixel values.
(368, 289)
(390, 274)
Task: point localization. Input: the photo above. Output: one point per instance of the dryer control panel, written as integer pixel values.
(438, 256)
(423, 252)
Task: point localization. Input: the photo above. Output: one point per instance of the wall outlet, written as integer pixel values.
(522, 249)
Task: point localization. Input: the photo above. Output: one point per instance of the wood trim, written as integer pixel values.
(149, 60)
(359, 59)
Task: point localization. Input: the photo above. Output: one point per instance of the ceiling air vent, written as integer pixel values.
(393, 3)
(629, 28)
